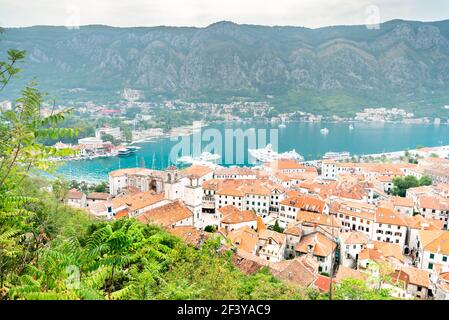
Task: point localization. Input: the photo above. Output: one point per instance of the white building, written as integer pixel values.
(116, 133)
(352, 243)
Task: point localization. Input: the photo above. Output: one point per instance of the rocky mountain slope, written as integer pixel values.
(333, 69)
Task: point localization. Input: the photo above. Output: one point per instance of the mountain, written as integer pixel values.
(338, 69)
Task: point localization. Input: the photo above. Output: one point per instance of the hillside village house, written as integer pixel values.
(271, 245)
(433, 250)
(380, 252)
(173, 214)
(293, 236)
(140, 178)
(290, 207)
(76, 199)
(352, 243)
(434, 207)
(232, 218)
(95, 197)
(321, 248)
(390, 226)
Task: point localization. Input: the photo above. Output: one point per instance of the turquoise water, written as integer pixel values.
(306, 138)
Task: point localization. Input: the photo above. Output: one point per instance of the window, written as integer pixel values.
(432, 256)
(430, 266)
(444, 258)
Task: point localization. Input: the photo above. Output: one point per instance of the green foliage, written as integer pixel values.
(210, 229)
(401, 184)
(354, 289)
(277, 228)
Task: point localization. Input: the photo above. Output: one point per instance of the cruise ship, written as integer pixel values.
(267, 154)
(336, 155)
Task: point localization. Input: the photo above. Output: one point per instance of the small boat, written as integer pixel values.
(324, 131)
(282, 125)
(351, 127)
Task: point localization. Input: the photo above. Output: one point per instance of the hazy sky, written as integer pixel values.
(310, 13)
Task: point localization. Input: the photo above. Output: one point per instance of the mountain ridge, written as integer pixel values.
(335, 69)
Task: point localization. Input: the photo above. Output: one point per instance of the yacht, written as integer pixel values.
(267, 154)
(336, 155)
(204, 157)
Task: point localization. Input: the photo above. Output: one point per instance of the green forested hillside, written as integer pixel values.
(336, 70)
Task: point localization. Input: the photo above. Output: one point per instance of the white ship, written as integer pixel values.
(351, 127)
(336, 155)
(324, 131)
(204, 157)
(267, 154)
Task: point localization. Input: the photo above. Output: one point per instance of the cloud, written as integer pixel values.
(204, 12)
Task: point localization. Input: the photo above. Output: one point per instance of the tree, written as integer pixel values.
(425, 181)
(401, 184)
(277, 228)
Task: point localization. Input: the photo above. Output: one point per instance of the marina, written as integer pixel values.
(365, 139)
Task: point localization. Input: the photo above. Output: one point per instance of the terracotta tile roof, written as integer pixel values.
(229, 171)
(279, 238)
(283, 164)
(305, 203)
(389, 216)
(75, 194)
(322, 283)
(166, 215)
(244, 239)
(138, 201)
(362, 214)
(344, 273)
(121, 214)
(196, 170)
(247, 263)
(260, 224)
(232, 215)
(354, 237)
(136, 171)
(434, 203)
(402, 202)
(382, 251)
(189, 234)
(98, 196)
(98, 207)
(435, 241)
(417, 276)
(317, 219)
(421, 223)
(293, 271)
(293, 230)
(242, 187)
(317, 244)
